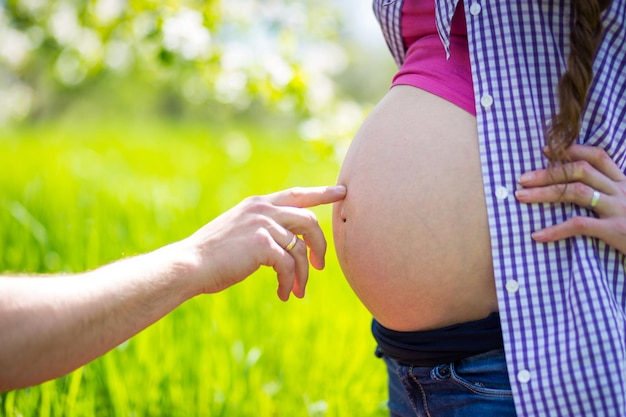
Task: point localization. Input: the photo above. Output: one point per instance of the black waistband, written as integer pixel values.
(445, 345)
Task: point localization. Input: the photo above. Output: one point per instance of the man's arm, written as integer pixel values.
(53, 325)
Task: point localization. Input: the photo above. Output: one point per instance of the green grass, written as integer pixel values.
(75, 197)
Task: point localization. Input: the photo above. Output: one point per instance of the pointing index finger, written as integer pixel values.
(308, 196)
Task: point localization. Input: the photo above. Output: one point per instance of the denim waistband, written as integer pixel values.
(444, 345)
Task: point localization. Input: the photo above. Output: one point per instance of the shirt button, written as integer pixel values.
(475, 9)
(523, 376)
(501, 193)
(512, 286)
(486, 101)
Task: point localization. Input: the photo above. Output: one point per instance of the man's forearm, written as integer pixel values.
(53, 325)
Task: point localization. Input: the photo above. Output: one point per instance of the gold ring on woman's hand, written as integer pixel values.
(594, 200)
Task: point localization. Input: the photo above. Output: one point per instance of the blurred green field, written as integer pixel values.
(74, 197)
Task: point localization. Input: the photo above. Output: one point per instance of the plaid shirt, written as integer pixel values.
(562, 305)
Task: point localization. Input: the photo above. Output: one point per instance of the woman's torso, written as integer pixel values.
(412, 234)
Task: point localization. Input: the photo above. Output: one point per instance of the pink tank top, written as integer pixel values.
(425, 65)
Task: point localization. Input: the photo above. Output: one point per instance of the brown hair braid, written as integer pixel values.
(574, 84)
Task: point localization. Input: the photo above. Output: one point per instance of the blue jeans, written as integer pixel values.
(475, 387)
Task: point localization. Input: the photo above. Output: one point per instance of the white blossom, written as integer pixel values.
(109, 10)
(185, 34)
(64, 25)
(14, 46)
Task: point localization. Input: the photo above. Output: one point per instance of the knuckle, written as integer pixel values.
(261, 237)
(579, 224)
(620, 227)
(599, 155)
(571, 192)
(310, 218)
(290, 266)
(622, 208)
(299, 249)
(257, 204)
(575, 190)
(294, 193)
(260, 223)
(580, 170)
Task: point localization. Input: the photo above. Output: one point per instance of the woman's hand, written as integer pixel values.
(262, 230)
(590, 180)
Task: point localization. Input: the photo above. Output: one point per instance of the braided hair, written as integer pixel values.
(574, 84)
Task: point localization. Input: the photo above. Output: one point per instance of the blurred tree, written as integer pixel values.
(279, 53)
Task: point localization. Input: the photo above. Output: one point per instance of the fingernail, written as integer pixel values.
(538, 235)
(520, 194)
(526, 177)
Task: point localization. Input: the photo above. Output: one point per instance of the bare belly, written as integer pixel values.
(412, 236)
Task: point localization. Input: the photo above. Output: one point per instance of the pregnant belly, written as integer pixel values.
(412, 234)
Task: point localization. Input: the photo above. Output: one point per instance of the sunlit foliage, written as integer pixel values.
(282, 54)
(78, 197)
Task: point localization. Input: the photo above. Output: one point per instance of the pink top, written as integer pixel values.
(425, 65)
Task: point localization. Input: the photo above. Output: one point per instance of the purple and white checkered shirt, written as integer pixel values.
(562, 305)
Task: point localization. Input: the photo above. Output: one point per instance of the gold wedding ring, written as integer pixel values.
(594, 200)
(291, 244)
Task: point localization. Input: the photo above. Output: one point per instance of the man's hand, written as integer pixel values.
(273, 230)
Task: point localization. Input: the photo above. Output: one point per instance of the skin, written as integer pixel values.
(412, 235)
(590, 169)
(53, 325)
